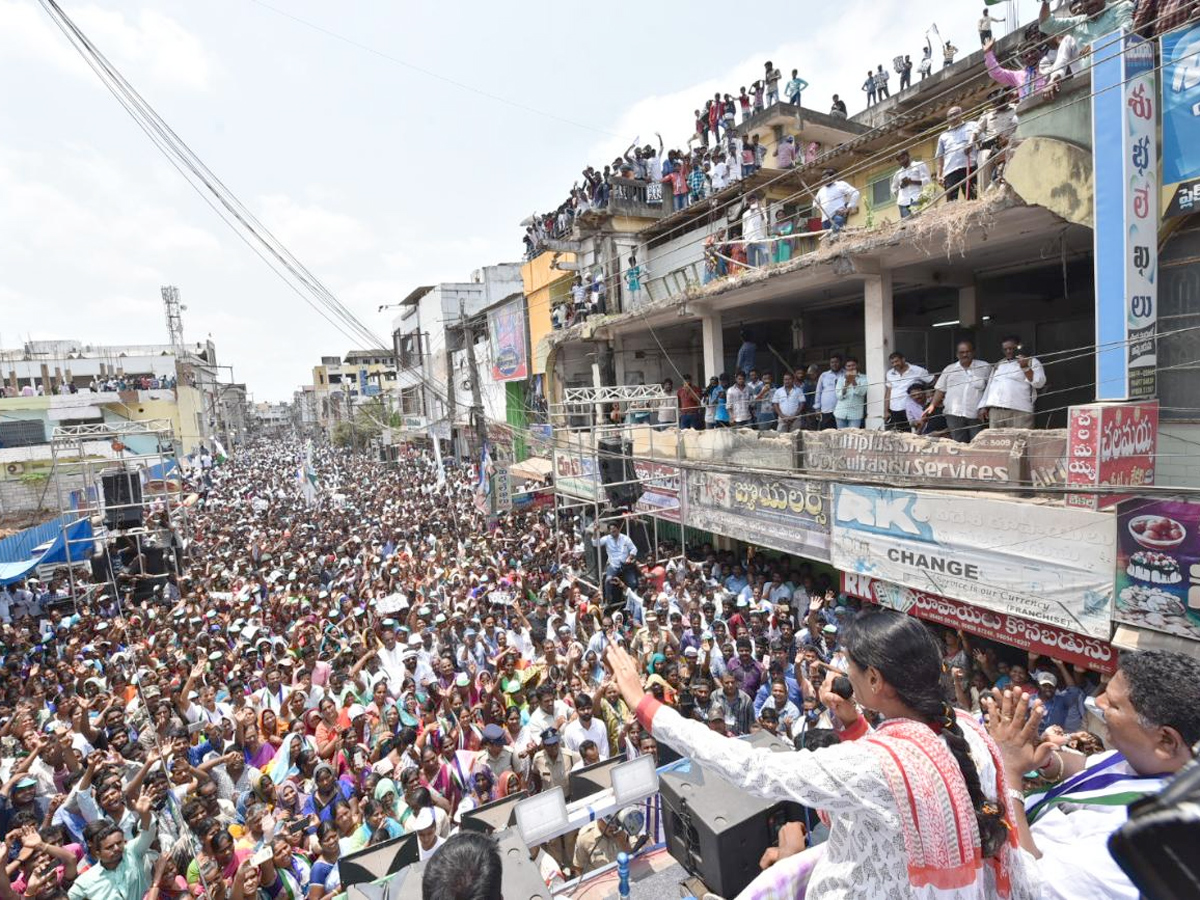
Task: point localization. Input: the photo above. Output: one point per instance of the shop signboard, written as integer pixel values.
(660, 489)
(887, 455)
(1181, 119)
(506, 328)
(1050, 564)
(1110, 444)
(1158, 566)
(786, 514)
(1037, 637)
(1125, 171)
(528, 501)
(576, 475)
(501, 489)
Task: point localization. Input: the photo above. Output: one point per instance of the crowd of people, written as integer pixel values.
(956, 403)
(323, 677)
(35, 388)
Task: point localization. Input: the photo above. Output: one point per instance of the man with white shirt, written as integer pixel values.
(391, 658)
(961, 386)
(908, 182)
(788, 402)
(837, 200)
(955, 149)
(754, 233)
(273, 694)
(900, 374)
(1012, 391)
(585, 727)
(737, 399)
(827, 391)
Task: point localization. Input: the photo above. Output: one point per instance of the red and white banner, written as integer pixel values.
(1111, 444)
(1081, 650)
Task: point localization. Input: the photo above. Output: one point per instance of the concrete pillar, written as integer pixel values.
(618, 352)
(880, 341)
(46, 386)
(968, 307)
(713, 341)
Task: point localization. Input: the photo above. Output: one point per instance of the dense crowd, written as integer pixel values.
(324, 677)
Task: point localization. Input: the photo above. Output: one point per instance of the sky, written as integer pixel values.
(387, 145)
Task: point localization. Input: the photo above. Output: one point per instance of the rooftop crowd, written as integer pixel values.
(322, 678)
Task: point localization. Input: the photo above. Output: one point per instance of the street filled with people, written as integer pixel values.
(324, 674)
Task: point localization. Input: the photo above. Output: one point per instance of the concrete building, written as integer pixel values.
(432, 370)
(1018, 261)
(342, 383)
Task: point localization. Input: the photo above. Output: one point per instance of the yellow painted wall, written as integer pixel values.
(885, 167)
(542, 282)
(189, 404)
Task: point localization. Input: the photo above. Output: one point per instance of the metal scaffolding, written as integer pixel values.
(124, 477)
(597, 432)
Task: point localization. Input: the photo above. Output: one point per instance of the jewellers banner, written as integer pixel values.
(1047, 563)
(786, 514)
(1077, 649)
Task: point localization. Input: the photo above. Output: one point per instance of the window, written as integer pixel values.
(879, 191)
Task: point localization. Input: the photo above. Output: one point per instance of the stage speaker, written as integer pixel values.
(616, 471)
(379, 861)
(122, 498)
(156, 560)
(519, 878)
(592, 779)
(494, 816)
(717, 831)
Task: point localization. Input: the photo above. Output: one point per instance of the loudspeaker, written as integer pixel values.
(717, 831)
(494, 816)
(156, 560)
(616, 471)
(592, 779)
(122, 498)
(379, 861)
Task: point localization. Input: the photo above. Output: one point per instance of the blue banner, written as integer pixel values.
(1181, 118)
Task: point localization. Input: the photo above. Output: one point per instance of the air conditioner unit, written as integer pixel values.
(16, 468)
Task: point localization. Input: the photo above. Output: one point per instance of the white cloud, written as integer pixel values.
(316, 235)
(148, 44)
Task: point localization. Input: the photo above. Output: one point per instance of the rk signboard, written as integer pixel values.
(1078, 649)
(787, 514)
(1124, 158)
(1050, 564)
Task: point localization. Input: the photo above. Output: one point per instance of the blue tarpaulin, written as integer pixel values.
(160, 471)
(79, 534)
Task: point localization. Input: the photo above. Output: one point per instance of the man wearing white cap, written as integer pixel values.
(428, 840)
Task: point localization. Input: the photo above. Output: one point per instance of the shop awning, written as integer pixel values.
(536, 468)
(1130, 637)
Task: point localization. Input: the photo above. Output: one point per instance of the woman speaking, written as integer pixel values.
(918, 806)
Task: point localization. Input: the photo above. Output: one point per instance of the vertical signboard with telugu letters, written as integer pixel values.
(1124, 156)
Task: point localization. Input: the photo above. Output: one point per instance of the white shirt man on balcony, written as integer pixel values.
(961, 386)
(837, 200)
(1012, 390)
(908, 182)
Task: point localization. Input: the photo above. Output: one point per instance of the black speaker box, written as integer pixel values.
(122, 498)
(717, 831)
(616, 471)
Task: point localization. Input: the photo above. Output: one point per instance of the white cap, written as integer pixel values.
(424, 819)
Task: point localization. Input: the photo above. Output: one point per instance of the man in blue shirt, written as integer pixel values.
(1064, 707)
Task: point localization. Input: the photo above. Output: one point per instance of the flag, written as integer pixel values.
(306, 477)
(485, 472)
(437, 456)
(220, 453)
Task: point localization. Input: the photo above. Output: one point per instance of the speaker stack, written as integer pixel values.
(122, 498)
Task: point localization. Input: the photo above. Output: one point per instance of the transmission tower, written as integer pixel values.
(174, 310)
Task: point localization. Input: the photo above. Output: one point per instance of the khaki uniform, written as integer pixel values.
(594, 849)
(502, 763)
(552, 774)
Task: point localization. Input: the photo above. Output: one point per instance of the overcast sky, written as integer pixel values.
(379, 173)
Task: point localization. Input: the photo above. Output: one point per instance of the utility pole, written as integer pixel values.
(476, 396)
(451, 404)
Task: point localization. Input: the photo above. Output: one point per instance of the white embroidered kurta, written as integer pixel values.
(865, 856)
